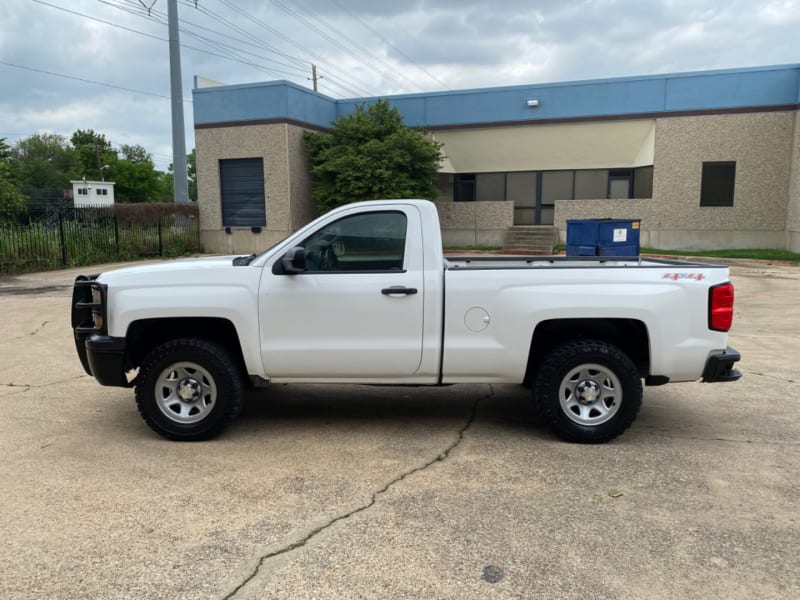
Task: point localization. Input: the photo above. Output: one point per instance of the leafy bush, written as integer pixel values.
(370, 154)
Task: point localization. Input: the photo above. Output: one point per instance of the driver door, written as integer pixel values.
(356, 312)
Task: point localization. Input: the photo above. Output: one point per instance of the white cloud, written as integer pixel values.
(780, 13)
(380, 48)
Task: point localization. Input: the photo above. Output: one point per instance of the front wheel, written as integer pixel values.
(189, 389)
(588, 391)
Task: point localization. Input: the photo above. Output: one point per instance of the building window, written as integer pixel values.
(82, 191)
(444, 185)
(620, 184)
(591, 184)
(643, 182)
(716, 188)
(101, 191)
(464, 188)
(242, 192)
(490, 187)
(522, 189)
(555, 185)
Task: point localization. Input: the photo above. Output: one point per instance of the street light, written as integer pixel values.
(102, 175)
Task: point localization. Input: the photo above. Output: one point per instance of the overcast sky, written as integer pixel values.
(361, 48)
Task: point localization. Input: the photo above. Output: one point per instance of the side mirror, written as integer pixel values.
(294, 261)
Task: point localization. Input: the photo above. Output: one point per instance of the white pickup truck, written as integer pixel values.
(364, 295)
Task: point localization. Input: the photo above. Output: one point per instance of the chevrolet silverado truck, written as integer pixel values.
(364, 295)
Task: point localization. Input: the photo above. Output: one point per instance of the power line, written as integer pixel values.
(161, 19)
(315, 58)
(155, 37)
(390, 44)
(368, 63)
(81, 79)
(354, 44)
(230, 24)
(298, 64)
(233, 53)
(140, 10)
(155, 15)
(257, 42)
(229, 52)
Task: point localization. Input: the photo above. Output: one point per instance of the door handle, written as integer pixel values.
(398, 289)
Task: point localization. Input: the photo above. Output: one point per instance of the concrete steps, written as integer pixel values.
(530, 239)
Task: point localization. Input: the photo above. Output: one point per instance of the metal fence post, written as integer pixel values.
(197, 230)
(116, 234)
(63, 237)
(160, 245)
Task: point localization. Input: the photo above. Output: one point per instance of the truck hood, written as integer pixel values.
(174, 272)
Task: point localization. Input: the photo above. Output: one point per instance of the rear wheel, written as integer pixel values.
(189, 389)
(588, 391)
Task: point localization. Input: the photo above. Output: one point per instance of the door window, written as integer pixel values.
(366, 242)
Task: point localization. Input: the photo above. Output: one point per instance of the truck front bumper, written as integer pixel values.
(719, 366)
(103, 358)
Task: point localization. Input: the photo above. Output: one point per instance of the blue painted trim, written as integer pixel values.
(767, 86)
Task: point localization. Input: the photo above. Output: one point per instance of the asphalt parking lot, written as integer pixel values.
(365, 492)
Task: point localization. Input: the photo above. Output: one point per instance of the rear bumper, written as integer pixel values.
(719, 366)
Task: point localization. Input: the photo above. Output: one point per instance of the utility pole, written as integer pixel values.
(99, 164)
(314, 76)
(180, 184)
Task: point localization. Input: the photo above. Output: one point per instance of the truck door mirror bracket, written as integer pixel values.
(294, 261)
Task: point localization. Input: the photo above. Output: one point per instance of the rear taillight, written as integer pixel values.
(720, 307)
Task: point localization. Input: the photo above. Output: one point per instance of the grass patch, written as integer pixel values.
(751, 253)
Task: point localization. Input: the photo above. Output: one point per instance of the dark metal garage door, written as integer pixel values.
(242, 182)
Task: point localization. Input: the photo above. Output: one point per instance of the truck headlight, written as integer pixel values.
(97, 312)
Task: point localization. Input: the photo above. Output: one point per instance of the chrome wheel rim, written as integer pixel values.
(590, 394)
(185, 392)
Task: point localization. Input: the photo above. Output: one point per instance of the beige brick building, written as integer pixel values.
(705, 160)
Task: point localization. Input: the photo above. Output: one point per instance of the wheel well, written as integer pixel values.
(145, 335)
(629, 335)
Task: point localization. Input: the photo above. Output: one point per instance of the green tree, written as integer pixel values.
(135, 181)
(11, 200)
(44, 160)
(191, 174)
(371, 154)
(167, 186)
(92, 151)
(49, 161)
(6, 151)
(135, 154)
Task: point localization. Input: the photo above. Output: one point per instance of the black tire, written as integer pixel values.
(588, 391)
(189, 389)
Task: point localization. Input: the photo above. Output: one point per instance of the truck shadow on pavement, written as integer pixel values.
(506, 406)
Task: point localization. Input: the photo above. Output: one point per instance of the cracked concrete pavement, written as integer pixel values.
(365, 492)
(307, 538)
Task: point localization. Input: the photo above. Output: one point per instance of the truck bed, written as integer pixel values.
(567, 262)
